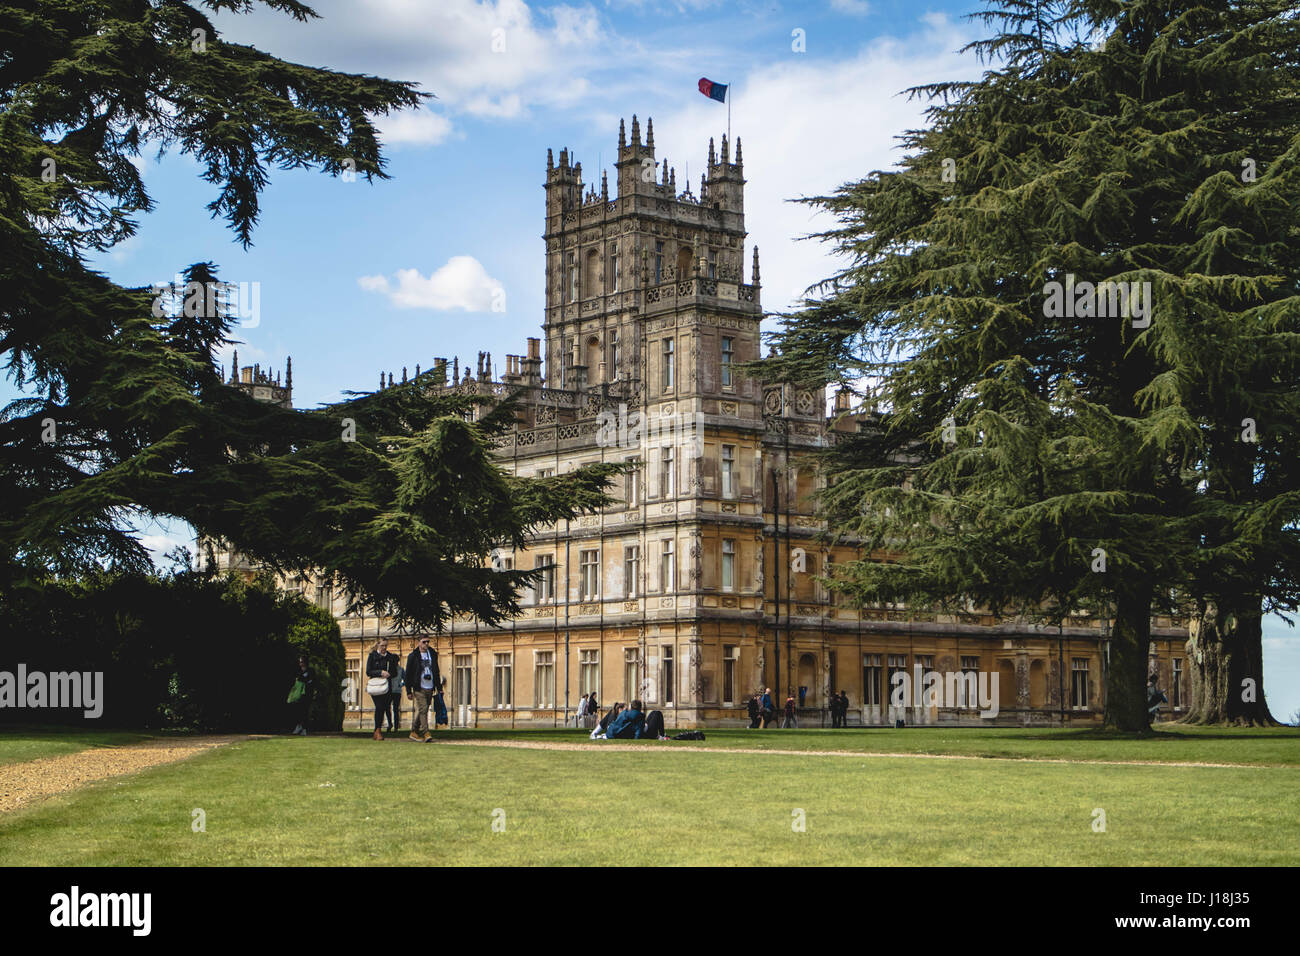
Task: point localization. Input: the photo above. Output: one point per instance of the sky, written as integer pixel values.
(355, 278)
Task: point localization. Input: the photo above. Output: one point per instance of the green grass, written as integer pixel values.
(331, 800)
(31, 743)
(1275, 746)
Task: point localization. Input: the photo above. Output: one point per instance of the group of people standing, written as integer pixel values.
(423, 682)
(762, 710)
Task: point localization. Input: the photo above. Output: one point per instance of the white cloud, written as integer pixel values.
(422, 127)
(493, 58)
(808, 126)
(461, 284)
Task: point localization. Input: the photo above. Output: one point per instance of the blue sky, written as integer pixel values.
(355, 277)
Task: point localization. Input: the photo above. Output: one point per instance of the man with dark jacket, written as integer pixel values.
(422, 682)
(628, 725)
(303, 704)
(753, 712)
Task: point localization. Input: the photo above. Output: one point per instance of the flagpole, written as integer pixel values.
(729, 112)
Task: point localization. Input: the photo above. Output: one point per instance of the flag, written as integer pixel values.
(714, 91)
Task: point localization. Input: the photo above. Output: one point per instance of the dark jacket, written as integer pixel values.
(414, 668)
(627, 725)
(377, 663)
(753, 708)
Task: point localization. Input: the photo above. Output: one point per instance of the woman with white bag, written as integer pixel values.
(377, 682)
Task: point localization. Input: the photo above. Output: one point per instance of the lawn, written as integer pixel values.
(30, 743)
(1274, 746)
(331, 800)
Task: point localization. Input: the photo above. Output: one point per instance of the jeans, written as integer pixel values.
(395, 709)
(423, 701)
(381, 708)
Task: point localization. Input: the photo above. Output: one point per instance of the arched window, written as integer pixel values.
(685, 269)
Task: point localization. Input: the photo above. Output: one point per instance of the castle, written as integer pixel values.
(698, 585)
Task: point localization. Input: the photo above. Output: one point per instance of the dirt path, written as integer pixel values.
(22, 783)
(856, 754)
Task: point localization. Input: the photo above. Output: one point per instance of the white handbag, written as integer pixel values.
(376, 686)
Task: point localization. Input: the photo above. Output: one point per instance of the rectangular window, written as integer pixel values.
(464, 688)
(1176, 691)
(573, 277)
(970, 666)
(589, 672)
(667, 567)
(546, 580)
(1079, 683)
(615, 355)
(895, 663)
(354, 683)
(630, 489)
(666, 678)
(728, 564)
(730, 662)
(502, 681)
(589, 580)
(871, 680)
(545, 472)
(659, 262)
(669, 363)
(728, 471)
(728, 356)
(667, 472)
(631, 672)
(543, 678)
(631, 570)
(713, 263)
(613, 271)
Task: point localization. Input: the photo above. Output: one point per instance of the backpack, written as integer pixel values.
(690, 735)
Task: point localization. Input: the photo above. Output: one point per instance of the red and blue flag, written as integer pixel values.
(714, 91)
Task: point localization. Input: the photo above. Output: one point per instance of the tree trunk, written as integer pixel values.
(1126, 677)
(1225, 662)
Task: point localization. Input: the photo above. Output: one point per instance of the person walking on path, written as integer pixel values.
(300, 699)
(422, 679)
(379, 683)
(753, 712)
(790, 719)
(397, 675)
(769, 709)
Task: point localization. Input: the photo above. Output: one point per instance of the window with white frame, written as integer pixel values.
(667, 674)
(730, 663)
(546, 580)
(871, 680)
(543, 678)
(894, 664)
(354, 683)
(728, 564)
(1079, 683)
(589, 575)
(631, 570)
(968, 690)
(667, 566)
(630, 484)
(728, 471)
(669, 364)
(1176, 691)
(667, 471)
(502, 680)
(589, 672)
(464, 688)
(631, 673)
(728, 356)
(614, 276)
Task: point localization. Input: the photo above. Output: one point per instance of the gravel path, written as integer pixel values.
(23, 783)
(683, 747)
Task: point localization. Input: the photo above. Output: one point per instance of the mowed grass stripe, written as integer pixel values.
(323, 801)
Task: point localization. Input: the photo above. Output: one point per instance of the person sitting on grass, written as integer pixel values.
(603, 726)
(628, 725)
(654, 726)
